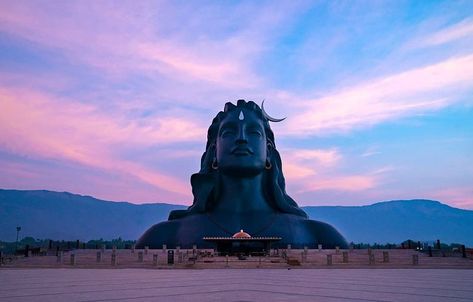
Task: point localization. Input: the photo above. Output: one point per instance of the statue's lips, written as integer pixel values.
(242, 151)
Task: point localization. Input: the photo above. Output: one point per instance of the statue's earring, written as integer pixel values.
(268, 165)
(214, 164)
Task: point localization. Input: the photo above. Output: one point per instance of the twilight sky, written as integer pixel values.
(113, 98)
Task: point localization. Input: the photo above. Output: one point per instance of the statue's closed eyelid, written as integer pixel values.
(255, 131)
(227, 131)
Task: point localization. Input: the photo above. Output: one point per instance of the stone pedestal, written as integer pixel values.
(155, 259)
(415, 259)
(114, 259)
(99, 256)
(73, 259)
(329, 259)
(345, 257)
(140, 256)
(59, 257)
(385, 257)
(371, 258)
(171, 257)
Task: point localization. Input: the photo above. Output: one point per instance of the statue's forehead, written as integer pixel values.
(242, 116)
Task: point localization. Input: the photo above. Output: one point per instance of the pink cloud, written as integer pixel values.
(24, 174)
(325, 157)
(461, 197)
(463, 29)
(200, 62)
(129, 38)
(387, 98)
(295, 172)
(42, 126)
(341, 183)
(301, 164)
(316, 169)
(177, 61)
(370, 152)
(13, 171)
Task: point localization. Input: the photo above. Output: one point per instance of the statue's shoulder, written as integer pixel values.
(164, 228)
(316, 231)
(159, 234)
(173, 225)
(319, 226)
(183, 232)
(326, 234)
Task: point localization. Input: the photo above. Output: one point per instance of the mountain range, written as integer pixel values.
(65, 216)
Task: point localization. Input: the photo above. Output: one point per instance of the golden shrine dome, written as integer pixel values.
(241, 234)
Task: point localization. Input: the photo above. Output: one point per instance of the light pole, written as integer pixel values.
(18, 229)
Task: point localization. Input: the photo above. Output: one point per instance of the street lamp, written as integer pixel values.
(18, 229)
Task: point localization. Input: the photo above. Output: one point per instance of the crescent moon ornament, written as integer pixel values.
(268, 117)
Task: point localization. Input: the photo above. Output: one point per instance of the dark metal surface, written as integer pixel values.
(240, 186)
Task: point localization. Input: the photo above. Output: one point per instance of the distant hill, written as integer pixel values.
(398, 220)
(62, 215)
(56, 215)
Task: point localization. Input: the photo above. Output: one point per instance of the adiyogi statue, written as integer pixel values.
(240, 186)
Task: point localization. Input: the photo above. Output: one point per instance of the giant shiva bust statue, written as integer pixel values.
(240, 186)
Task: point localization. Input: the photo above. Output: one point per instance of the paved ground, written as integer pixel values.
(236, 285)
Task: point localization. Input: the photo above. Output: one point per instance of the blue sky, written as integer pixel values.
(113, 99)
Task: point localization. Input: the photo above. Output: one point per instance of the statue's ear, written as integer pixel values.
(213, 150)
(207, 158)
(269, 150)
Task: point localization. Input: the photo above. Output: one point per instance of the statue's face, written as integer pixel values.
(241, 143)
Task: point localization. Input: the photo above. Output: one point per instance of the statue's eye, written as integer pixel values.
(227, 132)
(255, 132)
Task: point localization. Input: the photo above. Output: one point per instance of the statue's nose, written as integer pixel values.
(241, 138)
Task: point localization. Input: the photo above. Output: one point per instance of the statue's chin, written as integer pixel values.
(241, 171)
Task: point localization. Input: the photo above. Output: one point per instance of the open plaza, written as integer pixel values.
(321, 284)
(201, 275)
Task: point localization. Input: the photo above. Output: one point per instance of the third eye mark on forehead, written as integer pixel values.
(234, 125)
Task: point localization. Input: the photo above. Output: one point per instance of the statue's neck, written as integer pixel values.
(242, 195)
